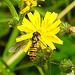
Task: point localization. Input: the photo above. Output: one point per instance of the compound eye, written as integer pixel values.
(34, 33)
(38, 34)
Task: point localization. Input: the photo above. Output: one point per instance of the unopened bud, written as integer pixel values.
(64, 29)
(66, 66)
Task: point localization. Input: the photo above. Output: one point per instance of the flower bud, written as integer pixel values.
(64, 29)
(66, 66)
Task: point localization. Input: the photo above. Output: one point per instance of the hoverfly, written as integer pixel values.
(33, 49)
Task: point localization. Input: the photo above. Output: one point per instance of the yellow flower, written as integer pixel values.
(29, 3)
(47, 28)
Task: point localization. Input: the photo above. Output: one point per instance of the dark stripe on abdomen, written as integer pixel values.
(32, 53)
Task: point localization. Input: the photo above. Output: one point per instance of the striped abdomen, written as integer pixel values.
(33, 48)
(33, 52)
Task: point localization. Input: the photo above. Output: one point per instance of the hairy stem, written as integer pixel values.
(49, 66)
(40, 70)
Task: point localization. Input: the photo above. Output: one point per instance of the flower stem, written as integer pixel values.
(40, 70)
(15, 31)
(14, 57)
(10, 42)
(49, 66)
(67, 9)
(12, 9)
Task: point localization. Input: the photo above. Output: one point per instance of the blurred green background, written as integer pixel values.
(21, 64)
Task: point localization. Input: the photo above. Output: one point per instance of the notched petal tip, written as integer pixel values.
(55, 13)
(48, 12)
(29, 14)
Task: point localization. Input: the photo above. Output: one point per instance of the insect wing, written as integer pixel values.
(42, 43)
(18, 46)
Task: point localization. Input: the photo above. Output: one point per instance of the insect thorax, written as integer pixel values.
(35, 37)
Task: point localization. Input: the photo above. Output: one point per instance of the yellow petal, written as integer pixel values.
(57, 40)
(28, 46)
(56, 30)
(48, 20)
(22, 28)
(37, 19)
(54, 39)
(49, 43)
(42, 43)
(24, 37)
(34, 3)
(53, 31)
(47, 16)
(25, 9)
(52, 17)
(32, 19)
(28, 24)
(43, 46)
(45, 23)
(42, 29)
(55, 24)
